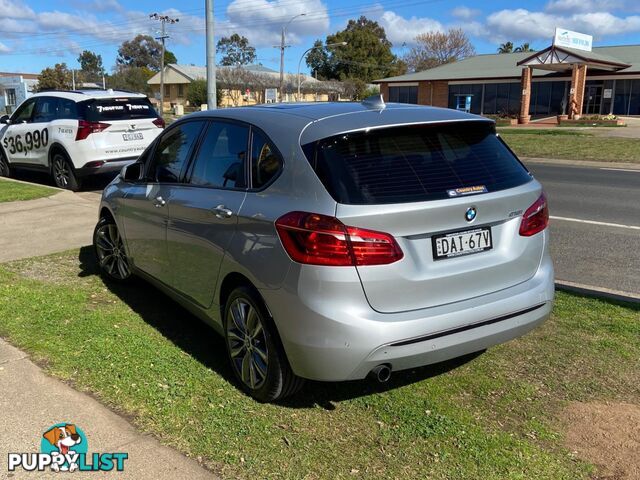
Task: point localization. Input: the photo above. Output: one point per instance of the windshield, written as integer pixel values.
(415, 163)
(111, 109)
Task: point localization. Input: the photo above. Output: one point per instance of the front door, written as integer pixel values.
(17, 133)
(592, 99)
(146, 205)
(203, 214)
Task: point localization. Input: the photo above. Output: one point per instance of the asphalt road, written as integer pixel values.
(595, 225)
(604, 254)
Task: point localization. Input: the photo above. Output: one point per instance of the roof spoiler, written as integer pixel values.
(374, 102)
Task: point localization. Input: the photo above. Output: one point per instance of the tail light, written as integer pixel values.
(159, 122)
(536, 218)
(316, 239)
(87, 128)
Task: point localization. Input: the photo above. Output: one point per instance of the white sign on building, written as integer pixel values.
(567, 38)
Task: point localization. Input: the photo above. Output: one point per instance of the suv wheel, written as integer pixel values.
(5, 170)
(110, 251)
(63, 174)
(257, 358)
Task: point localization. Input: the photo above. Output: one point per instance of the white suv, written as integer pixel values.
(72, 134)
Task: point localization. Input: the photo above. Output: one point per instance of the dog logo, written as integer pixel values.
(63, 448)
(65, 439)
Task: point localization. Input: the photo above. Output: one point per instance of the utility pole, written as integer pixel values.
(164, 19)
(211, 57)
(282, 46)
(73, 78)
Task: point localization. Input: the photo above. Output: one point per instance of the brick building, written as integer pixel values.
(605, 80)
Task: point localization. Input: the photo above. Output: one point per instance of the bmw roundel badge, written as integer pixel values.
(470, 214)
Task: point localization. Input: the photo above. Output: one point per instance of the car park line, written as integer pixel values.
(594, 222)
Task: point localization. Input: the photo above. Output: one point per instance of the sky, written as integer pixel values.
(35, 34)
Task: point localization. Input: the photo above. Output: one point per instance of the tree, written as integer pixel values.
(438, 48)
(524, 48)
(56, 78)
(506, 47)
(319, 62)
(131, 78)
(197, 93)
(143, 51)
(366, 56)
(169, 57)
(236, 50)
(91, 68)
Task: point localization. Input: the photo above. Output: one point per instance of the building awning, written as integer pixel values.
(560, 59)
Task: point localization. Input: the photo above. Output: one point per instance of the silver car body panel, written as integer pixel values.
(337, 323)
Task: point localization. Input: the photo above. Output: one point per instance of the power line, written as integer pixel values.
(333, 13)
(163, 19)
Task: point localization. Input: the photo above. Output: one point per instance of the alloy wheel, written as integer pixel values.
(247, 343)
(111, 253)
(61, 172)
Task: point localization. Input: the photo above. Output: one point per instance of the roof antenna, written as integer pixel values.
(375, 102)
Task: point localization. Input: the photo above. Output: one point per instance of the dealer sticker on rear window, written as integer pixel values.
(461, 192)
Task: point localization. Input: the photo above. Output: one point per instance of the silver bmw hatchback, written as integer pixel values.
(333, 241)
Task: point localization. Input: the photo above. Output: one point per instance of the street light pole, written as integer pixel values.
(282, 47)
(164, 19)
(338, 44)
(211, 58)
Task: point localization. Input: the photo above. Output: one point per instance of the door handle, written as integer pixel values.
(160, 202)
(222, 212)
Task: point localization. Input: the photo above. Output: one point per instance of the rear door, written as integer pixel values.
(452, 196)
(129, 122)
(203, 213)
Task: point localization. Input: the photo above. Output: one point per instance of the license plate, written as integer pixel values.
(456, 244)
(127, 137)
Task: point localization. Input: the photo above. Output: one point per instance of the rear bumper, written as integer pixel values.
(330, 333)
(104, 166)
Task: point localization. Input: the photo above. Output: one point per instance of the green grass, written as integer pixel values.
(12, 191)
(494, 416)
(571, 145)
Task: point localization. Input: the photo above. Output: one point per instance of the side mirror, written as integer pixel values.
(4, 119)
(132, 172)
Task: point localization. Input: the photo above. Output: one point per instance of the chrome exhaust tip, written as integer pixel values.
(381, 373)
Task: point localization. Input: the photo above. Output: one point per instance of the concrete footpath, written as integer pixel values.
(31, 402)
(47, 225)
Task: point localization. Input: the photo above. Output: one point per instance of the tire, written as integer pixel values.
(110, 252)
(63, 173)
(5, 169)
(254, 349)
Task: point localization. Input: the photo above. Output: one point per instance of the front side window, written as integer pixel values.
(173, 151)
(222, 156)
(24, 112)
(265, 161)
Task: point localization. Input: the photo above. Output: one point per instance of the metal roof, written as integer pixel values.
(195, 72)
(505, 65)
(80, 95)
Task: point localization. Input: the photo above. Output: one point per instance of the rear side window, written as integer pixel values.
(414, 163)
(222, 156)
(102, 110)
(265, 160)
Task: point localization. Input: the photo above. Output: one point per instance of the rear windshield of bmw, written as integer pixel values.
(110, 109)
(415, 163)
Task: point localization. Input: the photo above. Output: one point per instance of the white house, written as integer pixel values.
(15, 88)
